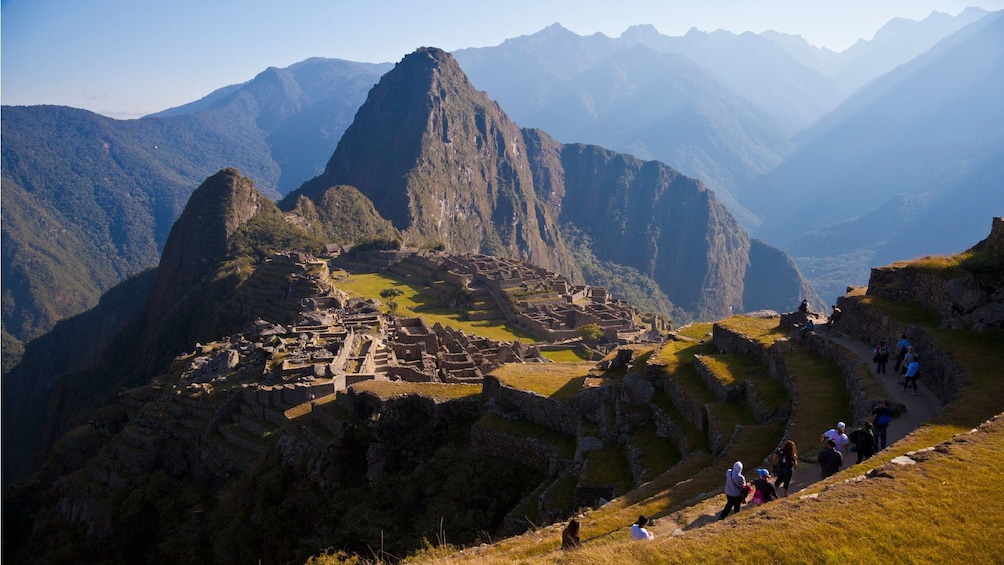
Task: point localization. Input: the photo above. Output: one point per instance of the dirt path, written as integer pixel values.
(919, 408)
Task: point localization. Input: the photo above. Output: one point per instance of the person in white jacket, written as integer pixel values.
(734, 483)
(638, 531)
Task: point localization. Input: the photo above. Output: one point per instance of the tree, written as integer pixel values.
(591, 333)
(389, 293)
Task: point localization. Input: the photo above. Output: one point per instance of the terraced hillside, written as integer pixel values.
(939, 469)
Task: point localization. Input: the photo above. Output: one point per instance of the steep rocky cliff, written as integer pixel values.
(226, 228)
(445, 165)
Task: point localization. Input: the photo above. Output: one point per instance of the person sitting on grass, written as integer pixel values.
(570, 535)
(638, 531)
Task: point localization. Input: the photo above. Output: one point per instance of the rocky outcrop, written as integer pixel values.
(970, 296)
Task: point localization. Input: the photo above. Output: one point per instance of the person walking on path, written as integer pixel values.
(910, 377)
(764, 491)
(830, 459)
(839, 437)
(734, 495)
(881, 358)
(787, 460)
(910, 357)
(880, 426)
(864, 442)
(901, 346)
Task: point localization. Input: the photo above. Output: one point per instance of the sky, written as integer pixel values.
(128, 58)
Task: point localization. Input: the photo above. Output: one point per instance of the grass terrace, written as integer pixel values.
(414, 303)
(572, 355)
(437, 391)
(524, 428)
(945, 508)
(560, 381)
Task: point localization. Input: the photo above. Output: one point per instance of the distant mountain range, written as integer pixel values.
(908, 166)
(432, 162)
(724, 108)
(88, 200)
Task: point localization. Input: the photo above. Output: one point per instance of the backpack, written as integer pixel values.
(883, 351)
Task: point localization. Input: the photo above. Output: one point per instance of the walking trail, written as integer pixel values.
(919, 409)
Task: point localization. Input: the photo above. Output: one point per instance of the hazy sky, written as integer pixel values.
(126, 58)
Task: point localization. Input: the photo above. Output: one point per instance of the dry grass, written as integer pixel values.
(437, 391)
(560, 381)
(946, 508)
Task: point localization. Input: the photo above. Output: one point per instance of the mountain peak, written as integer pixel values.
(202, 233)
(641, 32)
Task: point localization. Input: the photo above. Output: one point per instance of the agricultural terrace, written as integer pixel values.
(412, 302)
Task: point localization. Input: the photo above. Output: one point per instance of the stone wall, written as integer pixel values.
(973, 300)
(854, 370)
(938, 372)
(553, 414)
(724, 393)
(529, 451)
(763, 413)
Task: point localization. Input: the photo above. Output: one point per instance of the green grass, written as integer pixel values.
(608, 465)
(566, 355)
(561, 493)
(658, 453)
(524, 428)
(414, 303)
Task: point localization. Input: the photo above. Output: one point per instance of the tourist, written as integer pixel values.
(809, 326)
(830, 459)
(734, 491)
(864, 441)
(787, 460)
(570, 535)
(839, 437)
(638, 531)
(835, 315)
(910, 357)
(764, 491)
(804, 306)
(901, 348)
(881, 357)
(880, 426)
(910, 377)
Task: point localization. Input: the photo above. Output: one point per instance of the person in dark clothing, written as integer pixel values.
(570, 535)
(880, 426)
(803, 307)
(787, 460)
(764, 491)
(830, 459)
(864, 444)
(881, 358)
